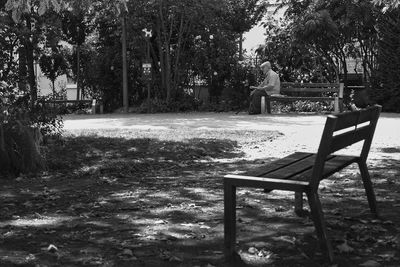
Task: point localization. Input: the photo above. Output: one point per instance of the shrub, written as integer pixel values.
(19, 148)
(184, 104)
(22, 129)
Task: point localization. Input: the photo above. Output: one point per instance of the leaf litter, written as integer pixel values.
(128, 201)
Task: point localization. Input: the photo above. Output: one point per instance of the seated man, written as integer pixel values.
(270, 86)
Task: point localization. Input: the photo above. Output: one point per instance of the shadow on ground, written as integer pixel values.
(149, 202)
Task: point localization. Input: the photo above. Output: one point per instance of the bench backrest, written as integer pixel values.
(343, 130)
(287, 87)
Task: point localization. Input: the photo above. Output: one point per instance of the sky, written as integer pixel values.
(253, 38)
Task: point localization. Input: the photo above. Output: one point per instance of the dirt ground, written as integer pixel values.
(146, 190)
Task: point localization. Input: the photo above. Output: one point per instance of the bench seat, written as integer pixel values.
(298, 166)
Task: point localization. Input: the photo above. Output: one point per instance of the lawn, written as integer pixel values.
(151, 197)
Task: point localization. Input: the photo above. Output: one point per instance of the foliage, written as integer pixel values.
(19, 149)
(295, 61)
(183, 104)
(192, 42)
(387, 4)
(386, 83)
(53, 65)
(303, 106)
(336, 31)
(22, 129)
(21, 7)
(236, 90)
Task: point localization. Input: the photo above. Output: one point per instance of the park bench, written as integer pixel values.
(93, 102)
(306, 91)
(302, 172)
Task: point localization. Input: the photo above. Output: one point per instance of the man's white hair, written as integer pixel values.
(266, 63)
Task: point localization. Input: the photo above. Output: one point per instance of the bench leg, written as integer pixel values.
(229, 220)
(268, 102)
(319, 223)
(298, 204)
(368, 187)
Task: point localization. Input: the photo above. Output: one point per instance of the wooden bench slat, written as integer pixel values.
(351, 137)
(353, 118)
(332, 165)
(309, 90)
(69, 101)
(277, 164)
(294, 98)
(293, 168)
(310, 85)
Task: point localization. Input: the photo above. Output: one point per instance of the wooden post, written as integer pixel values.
(149, 75)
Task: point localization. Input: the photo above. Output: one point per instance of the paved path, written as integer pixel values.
(300, 131)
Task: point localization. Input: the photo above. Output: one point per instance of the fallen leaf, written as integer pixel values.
(127, 253)
(370, 263)
(175, 258)
(280, 209)
(51, 248)
(187, 224)
(252, 250)
(345, 248)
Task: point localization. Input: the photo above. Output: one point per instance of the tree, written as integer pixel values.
(75, 29)
(386, 83)
(53, 65)
(242, 15)
(387, 4)
(26, 13)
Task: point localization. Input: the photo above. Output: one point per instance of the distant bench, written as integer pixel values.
(93, 102)
(307, 91)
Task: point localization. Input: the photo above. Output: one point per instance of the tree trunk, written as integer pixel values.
(124, 66)
(183, 27)
(241, 46)
(54, 89)
(161, 55)
(30, 63)
(78, 63)
(22, 71)
(168, 71)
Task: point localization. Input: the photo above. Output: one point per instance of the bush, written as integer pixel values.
(22, 130)
(19, 148)
(236, 92)
(302, 106)
(186, 103)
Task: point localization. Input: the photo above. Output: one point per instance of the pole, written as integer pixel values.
(78, 52)
(124, 66)
(148, 78)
